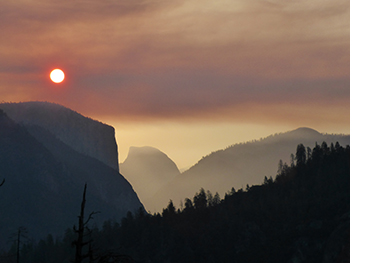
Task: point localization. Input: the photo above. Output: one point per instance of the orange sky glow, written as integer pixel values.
(237, 69)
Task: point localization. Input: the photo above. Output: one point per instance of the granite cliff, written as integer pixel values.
(148, 169)
(44, 180)
(82, 134)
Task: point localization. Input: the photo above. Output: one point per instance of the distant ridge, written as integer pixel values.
(242, 163)
(81, 133)
(302, 135)
(303, 132)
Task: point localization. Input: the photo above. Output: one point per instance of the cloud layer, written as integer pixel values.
(246, 60)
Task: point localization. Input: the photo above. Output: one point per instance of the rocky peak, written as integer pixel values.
(82, 134)
(148, 169)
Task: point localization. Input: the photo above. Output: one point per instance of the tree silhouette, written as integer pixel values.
(200, 199)
(303, 215)
(309, 152)
(280, 167)
(216, 199)
(83, 231)
(170, 210)
(300, 155)
(188, 205)
(17, 238)
(20, 234)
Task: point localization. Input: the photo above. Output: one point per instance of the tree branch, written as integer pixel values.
(90, 217)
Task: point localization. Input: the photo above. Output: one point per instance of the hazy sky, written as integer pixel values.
(187, 77)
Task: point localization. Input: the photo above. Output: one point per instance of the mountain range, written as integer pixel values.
(48, 152)
(236, 166)
(45, 176)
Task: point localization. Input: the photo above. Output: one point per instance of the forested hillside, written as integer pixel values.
(241, 164)
(301, 215)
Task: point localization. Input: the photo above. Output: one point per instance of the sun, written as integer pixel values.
(57, 75)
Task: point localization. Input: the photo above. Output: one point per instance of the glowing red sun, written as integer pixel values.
(57, 75)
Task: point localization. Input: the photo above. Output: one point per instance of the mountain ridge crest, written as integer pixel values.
(81, 133)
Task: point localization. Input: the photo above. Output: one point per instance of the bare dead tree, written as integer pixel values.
(18, 238)
(83, 231)
(20, 234)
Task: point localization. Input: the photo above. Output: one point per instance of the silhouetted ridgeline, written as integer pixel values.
(240, 164)
(82, 134)
(302, 215)
(44, 178)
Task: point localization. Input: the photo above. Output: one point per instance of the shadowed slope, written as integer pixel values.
(82, 134)
(43, 184)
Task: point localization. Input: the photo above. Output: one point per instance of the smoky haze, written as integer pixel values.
(182, 59)
(236, 166)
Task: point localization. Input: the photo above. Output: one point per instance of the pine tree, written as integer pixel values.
(200, 199)
(216, 199)
(188, 205)
(280, 167)
(170, 210)
(300, 155)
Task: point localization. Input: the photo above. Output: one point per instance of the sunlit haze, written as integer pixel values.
(186, 77)
(183, 130)
(187, 143)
